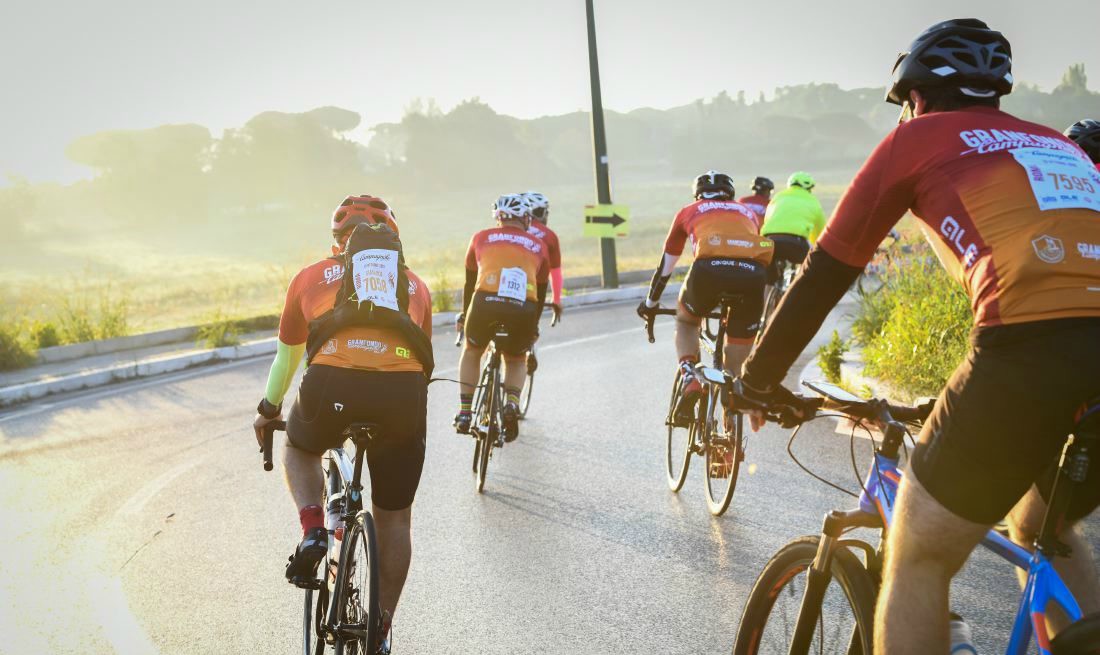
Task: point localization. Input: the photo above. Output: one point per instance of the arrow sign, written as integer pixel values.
(606, 220)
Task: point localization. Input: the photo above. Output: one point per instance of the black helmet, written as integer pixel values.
(762, 184)
(713, 182)
(962, 53)
(1086, 133)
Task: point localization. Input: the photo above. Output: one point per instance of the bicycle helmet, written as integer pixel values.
(761, 184)
(802, 179)
(962, 53)
(713, 184)
(540, 206)
(512, 207)
(361, 209)
(1086, 133)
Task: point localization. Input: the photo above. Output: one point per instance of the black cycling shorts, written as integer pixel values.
(517, 318)
(708, 279)
(331, 397)
(790, 248)
(1000, 424)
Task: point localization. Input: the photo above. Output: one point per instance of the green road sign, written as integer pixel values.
(606, 220)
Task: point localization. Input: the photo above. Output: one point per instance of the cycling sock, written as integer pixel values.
(687, 364)
(311, 517)
(511, 396)
(465, 402)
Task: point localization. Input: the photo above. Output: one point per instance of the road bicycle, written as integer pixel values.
(528, 382)
(712, 431)
(794, 607)
(785, 275)
(346, 616)
(487, 415)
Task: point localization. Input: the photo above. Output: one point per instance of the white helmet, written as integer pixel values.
(512, 206)
(540, 206)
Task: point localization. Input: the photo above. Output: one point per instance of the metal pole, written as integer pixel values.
(599, 145)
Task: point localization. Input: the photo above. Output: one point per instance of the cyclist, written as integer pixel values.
(968, 172)
(730, 257)
(1086, 133)
(507, 273)
(540, 216)
(363, 373)
(793, 220)
(761, 195)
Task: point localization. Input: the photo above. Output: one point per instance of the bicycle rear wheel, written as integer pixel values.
(360, 616)
(724, 452)
(525, 395)
(489, 427)
(846, 617)
(1081, 638)
(680, 439)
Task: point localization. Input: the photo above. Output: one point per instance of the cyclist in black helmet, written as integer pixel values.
(762, 189)
(1086, 133)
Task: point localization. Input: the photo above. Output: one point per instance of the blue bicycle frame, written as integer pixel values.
(1043, 583)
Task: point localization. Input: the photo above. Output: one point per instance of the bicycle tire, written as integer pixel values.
(487, 438)
(477, 413)
(719, 490)
(525, 395)
(1081, 638)
(782, 572)
(360, 543)
(677, 471)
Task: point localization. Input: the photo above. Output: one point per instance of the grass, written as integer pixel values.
(830, 356)
(915, 331)
(219, 331)
(16, 350)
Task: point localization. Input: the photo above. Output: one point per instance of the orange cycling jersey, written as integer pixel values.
(1012, 209)
(313, 292)
(718, 228)
(553, 247)
(509, 262)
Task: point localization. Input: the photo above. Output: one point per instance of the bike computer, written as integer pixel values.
(832, 392)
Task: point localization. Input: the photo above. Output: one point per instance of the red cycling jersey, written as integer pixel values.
(1012, 209)
(508, 260)
(553, 246)
(718, 228)
(758, 204)
(312, 292)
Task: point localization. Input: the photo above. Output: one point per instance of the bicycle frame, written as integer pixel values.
(876, 510)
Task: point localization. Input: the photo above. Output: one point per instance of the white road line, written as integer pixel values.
(135, 503)
(112, 613)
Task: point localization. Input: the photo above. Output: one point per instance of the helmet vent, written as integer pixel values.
(944, 71)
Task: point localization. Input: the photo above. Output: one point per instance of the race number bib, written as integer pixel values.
(1060, 180)
(513, 284)
(374, 273)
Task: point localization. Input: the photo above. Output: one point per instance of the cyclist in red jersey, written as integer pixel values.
(730, 257)
(1012, 209)
(540, 216)
(507, 273)
(1086, 133)
(363, 373)
(762, 189)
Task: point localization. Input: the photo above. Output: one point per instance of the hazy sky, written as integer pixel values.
(78, 66)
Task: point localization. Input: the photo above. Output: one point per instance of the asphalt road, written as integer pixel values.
(137, 519)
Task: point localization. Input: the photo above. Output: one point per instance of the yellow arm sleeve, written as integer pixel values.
(282, 371)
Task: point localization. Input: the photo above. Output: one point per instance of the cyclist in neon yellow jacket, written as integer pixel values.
(793, 220)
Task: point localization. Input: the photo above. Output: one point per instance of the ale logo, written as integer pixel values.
(1049, 249)
(401, 351)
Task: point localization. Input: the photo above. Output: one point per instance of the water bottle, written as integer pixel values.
(332, 518)
(962, 643)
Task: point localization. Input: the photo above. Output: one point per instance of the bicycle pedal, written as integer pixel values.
(306, 583)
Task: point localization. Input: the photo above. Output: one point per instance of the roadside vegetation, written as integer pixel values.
(914, 331)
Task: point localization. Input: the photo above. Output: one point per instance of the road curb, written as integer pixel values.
(148, 367)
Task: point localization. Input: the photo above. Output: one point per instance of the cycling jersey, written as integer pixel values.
(510, 263)
(1012, 209)
(718, 229)
(796, 211)
(313, 291)
(758, 204)
(550, 238)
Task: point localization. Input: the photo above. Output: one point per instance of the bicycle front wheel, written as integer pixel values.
(846, 614)
(360, 615)
(681, 435)
(724, 452)
(525, 394)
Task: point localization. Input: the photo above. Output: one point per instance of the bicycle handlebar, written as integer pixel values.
(657, 311)
(269, 436)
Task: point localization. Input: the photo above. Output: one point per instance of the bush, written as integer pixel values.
(45, 334)
(443, 299)
(15, 350)
(219, 331)
(831, 356)
(86, 315)
(915, 331)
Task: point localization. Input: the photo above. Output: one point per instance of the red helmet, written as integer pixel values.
(361, 209)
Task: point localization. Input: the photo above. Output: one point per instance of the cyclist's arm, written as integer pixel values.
(674, 247)
(542, 283)
(282, 371)
(878, 197)
(471, 276)
(556, 279)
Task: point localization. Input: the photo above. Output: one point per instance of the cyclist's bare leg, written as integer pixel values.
(687, 333)
(734, 355)
(926, 546)
(394, 528)
(515, 371)
(304, 477)
(469, 367)
(1078, 570)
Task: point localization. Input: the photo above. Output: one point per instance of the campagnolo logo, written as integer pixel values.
(1049, 249)
(329, 348)
(1089, 250)
(369, 345)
